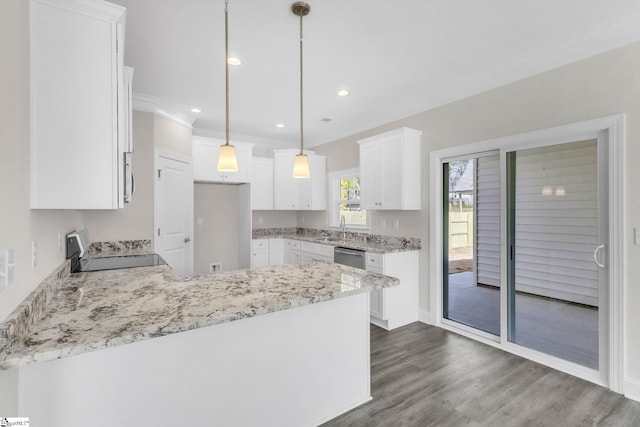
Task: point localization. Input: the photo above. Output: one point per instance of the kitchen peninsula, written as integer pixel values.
(282, 345)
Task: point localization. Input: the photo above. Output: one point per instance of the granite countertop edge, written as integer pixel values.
(22, 354)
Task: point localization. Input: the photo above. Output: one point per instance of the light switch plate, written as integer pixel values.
(34, 254)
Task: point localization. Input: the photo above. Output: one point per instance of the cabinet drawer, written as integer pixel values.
(374, 261)
(309, 247)
(260, 244)
(326, 251)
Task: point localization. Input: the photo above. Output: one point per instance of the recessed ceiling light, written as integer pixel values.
(195, 110)
(234, 61)
(343, 92)
(280, 125)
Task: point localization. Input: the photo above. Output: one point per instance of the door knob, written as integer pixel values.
(187, 239)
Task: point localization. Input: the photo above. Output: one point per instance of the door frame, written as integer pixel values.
(158, 153)
(614, 129)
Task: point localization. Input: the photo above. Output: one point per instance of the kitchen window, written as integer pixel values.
(345, 192)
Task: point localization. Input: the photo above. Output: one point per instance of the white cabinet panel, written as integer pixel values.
(276, 251)
(261, 184)
(390, 170)
(292, 251)
(205, 152)
(285, 186)
(396, 306)
(316, 252)
(299, 193)
(260, 258)
(75, 80)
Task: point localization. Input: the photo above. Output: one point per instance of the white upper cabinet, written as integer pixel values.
(76, 100)
(303, 194)
(390, 170)
(261, 184)
(205, 161)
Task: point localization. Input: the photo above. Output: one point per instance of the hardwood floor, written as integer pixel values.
(425, 376)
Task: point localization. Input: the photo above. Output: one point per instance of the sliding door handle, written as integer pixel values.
(595, 256)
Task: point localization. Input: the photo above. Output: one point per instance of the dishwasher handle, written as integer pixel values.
(355, 252)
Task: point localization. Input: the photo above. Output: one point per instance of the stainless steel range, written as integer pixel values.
(78, 253)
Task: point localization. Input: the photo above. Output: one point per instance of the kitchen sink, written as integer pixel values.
(330, 239)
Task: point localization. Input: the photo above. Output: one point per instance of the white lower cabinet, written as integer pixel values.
(396, 306)
(259, 253)
(291, 251)
(276, 251)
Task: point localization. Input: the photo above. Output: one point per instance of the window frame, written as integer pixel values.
(335, 201)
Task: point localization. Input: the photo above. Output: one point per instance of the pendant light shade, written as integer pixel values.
(301, 165)
(227, 160)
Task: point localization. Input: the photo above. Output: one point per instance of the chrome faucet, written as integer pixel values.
(343, 225)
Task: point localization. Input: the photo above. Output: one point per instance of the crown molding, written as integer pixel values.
(150, 104)
(101, 10)
(249, 139)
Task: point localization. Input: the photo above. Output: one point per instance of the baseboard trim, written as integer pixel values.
(425, 317)
(344, 411)
(632, 389)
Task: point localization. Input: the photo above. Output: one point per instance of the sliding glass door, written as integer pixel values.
(550, 210)
(472, 242)
(556, 232)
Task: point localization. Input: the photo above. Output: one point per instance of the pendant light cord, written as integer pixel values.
(301, 94)
(226, 67)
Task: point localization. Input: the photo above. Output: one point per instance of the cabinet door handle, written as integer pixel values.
(187, 239)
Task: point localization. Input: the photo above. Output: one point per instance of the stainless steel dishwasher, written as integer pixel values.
(352, 257)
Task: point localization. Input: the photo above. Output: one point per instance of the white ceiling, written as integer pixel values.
(397, 57)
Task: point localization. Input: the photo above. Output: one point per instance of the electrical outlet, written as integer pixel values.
(34, 254)
(260, 220)
(200, 221)
(636, 237)
(215, 267)
(396, 224)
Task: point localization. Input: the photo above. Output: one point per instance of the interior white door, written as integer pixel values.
(173, 211)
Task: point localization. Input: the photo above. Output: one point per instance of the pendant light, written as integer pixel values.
(227, 160)
(301, 165)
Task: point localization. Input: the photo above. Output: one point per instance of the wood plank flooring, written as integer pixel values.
(425, 376)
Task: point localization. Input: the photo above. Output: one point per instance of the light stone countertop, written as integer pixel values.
(97, 310)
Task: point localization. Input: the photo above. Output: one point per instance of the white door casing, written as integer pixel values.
(173, 211)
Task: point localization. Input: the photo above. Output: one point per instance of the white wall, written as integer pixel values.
(602, 85)
(216, 240)
(18, 224)
(275, 219)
